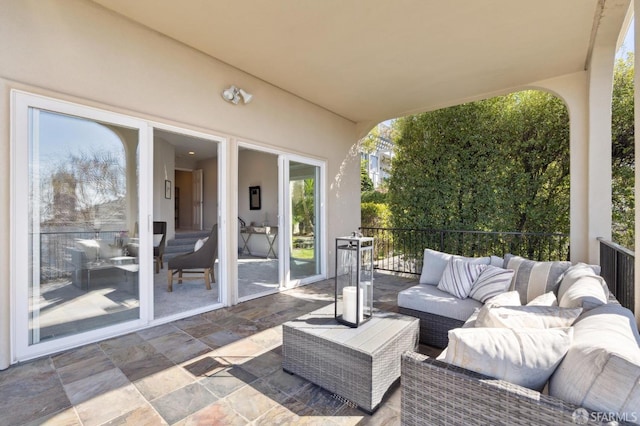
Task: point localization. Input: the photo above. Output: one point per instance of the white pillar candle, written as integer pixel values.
(349, 304)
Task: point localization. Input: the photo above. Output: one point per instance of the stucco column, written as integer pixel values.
(599, 148)
(573, 89)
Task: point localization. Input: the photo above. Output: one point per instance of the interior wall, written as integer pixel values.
(257, 168)
(163, 167)
(210, 192)
(184, 181)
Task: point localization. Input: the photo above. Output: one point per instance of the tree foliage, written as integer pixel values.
(500, 164)
(623, 167)
(366, 184)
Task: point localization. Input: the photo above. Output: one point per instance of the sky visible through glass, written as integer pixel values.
(628, 45)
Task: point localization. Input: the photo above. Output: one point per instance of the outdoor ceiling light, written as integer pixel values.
(233, 95)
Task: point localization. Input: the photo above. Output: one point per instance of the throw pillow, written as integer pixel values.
(91, 248)
(577, 272)
(459, 276)
(434, 263)
(200, 243)
(508, 298)
(491, 282)
(533, 278)
(547, 299)
(587, 292)
(496, 261)
(527, 317)
(526, 357)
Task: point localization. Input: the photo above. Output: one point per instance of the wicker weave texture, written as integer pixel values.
(359, 376)
(434, 329)
(437, 393)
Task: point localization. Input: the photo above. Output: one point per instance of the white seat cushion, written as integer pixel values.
(427, 298)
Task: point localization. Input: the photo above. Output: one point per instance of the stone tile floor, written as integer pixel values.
(222, 367)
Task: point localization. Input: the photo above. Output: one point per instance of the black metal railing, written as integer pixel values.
(54, 250)
(401, 249)
(618, 270)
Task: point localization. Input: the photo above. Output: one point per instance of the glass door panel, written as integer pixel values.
(258, 223)
(82, 210)
(186, 199)
(304, 258)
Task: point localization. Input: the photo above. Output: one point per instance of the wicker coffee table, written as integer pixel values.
(357, 364)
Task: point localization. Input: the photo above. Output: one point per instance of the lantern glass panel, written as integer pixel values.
(354, 280)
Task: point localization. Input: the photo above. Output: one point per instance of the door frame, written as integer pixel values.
(284, 203)
(21, 104)
(321, 213)
(222, 214)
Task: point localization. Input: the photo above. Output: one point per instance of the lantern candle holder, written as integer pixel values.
(354, 280)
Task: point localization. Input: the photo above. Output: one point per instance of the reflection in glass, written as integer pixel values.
(303, 187)
(82, 212)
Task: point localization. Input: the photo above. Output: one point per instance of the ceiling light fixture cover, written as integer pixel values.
(234, 94)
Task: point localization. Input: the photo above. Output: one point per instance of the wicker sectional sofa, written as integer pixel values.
(596, 381)
(438, 310)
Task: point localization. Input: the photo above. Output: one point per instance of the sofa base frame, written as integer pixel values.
(434, 329)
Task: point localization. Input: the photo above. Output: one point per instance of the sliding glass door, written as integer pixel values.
(76, 205)
(305, 226)
(280, 221)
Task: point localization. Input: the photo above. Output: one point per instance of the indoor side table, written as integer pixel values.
(357, 364)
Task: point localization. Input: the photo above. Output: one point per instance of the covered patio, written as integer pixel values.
(321, 75)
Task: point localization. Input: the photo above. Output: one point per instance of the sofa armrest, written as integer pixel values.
(434, 393)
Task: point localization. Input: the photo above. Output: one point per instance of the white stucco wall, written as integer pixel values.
(78, 51)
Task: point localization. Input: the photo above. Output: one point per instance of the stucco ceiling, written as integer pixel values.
(369, 60)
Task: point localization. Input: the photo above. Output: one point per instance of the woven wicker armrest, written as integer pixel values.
(437, 393)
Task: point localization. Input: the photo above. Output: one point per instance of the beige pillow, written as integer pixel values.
(526, 357)
(576, 273)
(586, 292)
(527, 317)
(547, 299)
(573, 274)
(508, 298)
(533, 278)
(91, 248)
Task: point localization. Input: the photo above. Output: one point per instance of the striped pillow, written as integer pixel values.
(458, 277)
(534, 278)
(491, 282)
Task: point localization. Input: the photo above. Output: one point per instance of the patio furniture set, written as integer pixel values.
(525, 343)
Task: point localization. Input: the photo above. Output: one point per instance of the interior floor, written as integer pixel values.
(65, 309)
